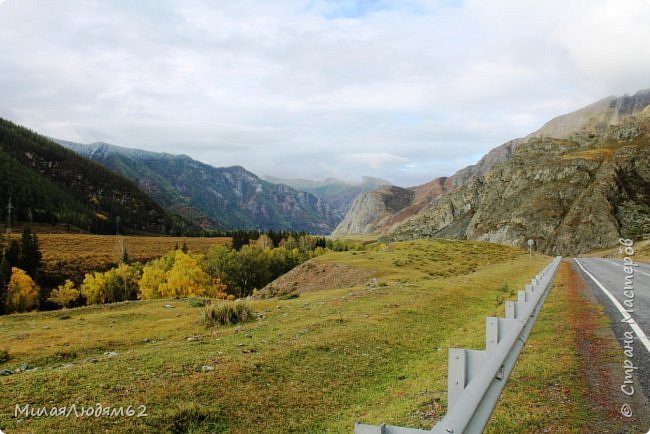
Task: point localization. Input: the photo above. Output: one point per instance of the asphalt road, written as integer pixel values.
(607, 276)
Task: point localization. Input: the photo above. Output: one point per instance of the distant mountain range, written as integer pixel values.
(338, 193)
(46, 183)
(223, 198)
(574, 185)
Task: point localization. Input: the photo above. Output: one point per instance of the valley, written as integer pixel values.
(318, 361)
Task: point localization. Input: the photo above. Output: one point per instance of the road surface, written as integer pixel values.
(606, 278)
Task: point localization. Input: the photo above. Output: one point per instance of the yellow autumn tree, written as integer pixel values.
(65, 295)
(22, 292)
(93, 286)
(185, 278)
(149, 285)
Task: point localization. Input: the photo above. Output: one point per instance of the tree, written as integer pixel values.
(123, 251)
(5, 275)
(30, 254)
(65, 295)
(116, 284)
(185, 278)
(22, 292)
(93, 288)
(153, 276)
(264, 242)
(13, 253)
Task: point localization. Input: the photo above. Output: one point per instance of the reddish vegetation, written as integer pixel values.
(599, 354)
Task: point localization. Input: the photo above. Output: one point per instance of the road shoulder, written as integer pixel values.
(567, 376)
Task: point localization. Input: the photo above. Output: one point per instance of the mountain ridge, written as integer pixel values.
(225, 198)
(48, 183)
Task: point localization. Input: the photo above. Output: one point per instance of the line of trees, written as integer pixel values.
(225, 272)
(250, 262)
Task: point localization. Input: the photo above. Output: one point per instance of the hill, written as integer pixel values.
(572, 194)
(223, 198)
(50, 184)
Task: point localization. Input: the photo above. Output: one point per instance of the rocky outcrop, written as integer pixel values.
(569, 195)
(370, 210)
(367, 216)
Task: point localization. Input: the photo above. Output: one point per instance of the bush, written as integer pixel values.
(4, 356)
(198, 302)
(227, 313)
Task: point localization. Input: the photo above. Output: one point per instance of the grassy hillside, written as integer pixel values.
(316, 363)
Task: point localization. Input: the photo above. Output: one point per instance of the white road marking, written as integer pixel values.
(628, 318)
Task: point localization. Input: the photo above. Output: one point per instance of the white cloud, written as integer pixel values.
(408, 90)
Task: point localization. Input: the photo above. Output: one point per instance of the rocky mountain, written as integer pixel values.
(372, 210)
(369, 214)
(338, 193)
(47, 183)
(215, 198)
(575, 185)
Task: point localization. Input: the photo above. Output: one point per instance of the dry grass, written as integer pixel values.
(73, 255)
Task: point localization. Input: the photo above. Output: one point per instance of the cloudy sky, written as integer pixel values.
(407, 90)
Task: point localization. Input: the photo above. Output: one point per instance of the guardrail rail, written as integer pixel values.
(477, 377)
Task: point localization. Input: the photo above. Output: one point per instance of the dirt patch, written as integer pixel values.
(315, 276)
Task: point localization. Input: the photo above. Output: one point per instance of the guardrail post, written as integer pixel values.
(491, 333)
(456, 374)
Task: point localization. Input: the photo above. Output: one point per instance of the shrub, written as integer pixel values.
(227, 313)
(198, 302)
(4, 356)
(65, 295)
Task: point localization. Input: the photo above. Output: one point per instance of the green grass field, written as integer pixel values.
(316, 363)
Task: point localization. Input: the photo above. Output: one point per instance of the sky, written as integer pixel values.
(405, 90)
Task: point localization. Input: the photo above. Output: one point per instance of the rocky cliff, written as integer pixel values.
(371, 210)
(572, 193)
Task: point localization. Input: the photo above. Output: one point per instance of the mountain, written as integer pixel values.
(215, 198)
(373, 210)
(576, 184)
(338, 193)
(362, 219)
(50, 184)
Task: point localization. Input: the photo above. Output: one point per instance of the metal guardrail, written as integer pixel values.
(477, 377)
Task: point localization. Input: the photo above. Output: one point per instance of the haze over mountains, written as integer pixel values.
(574, 185)
(337, 192)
